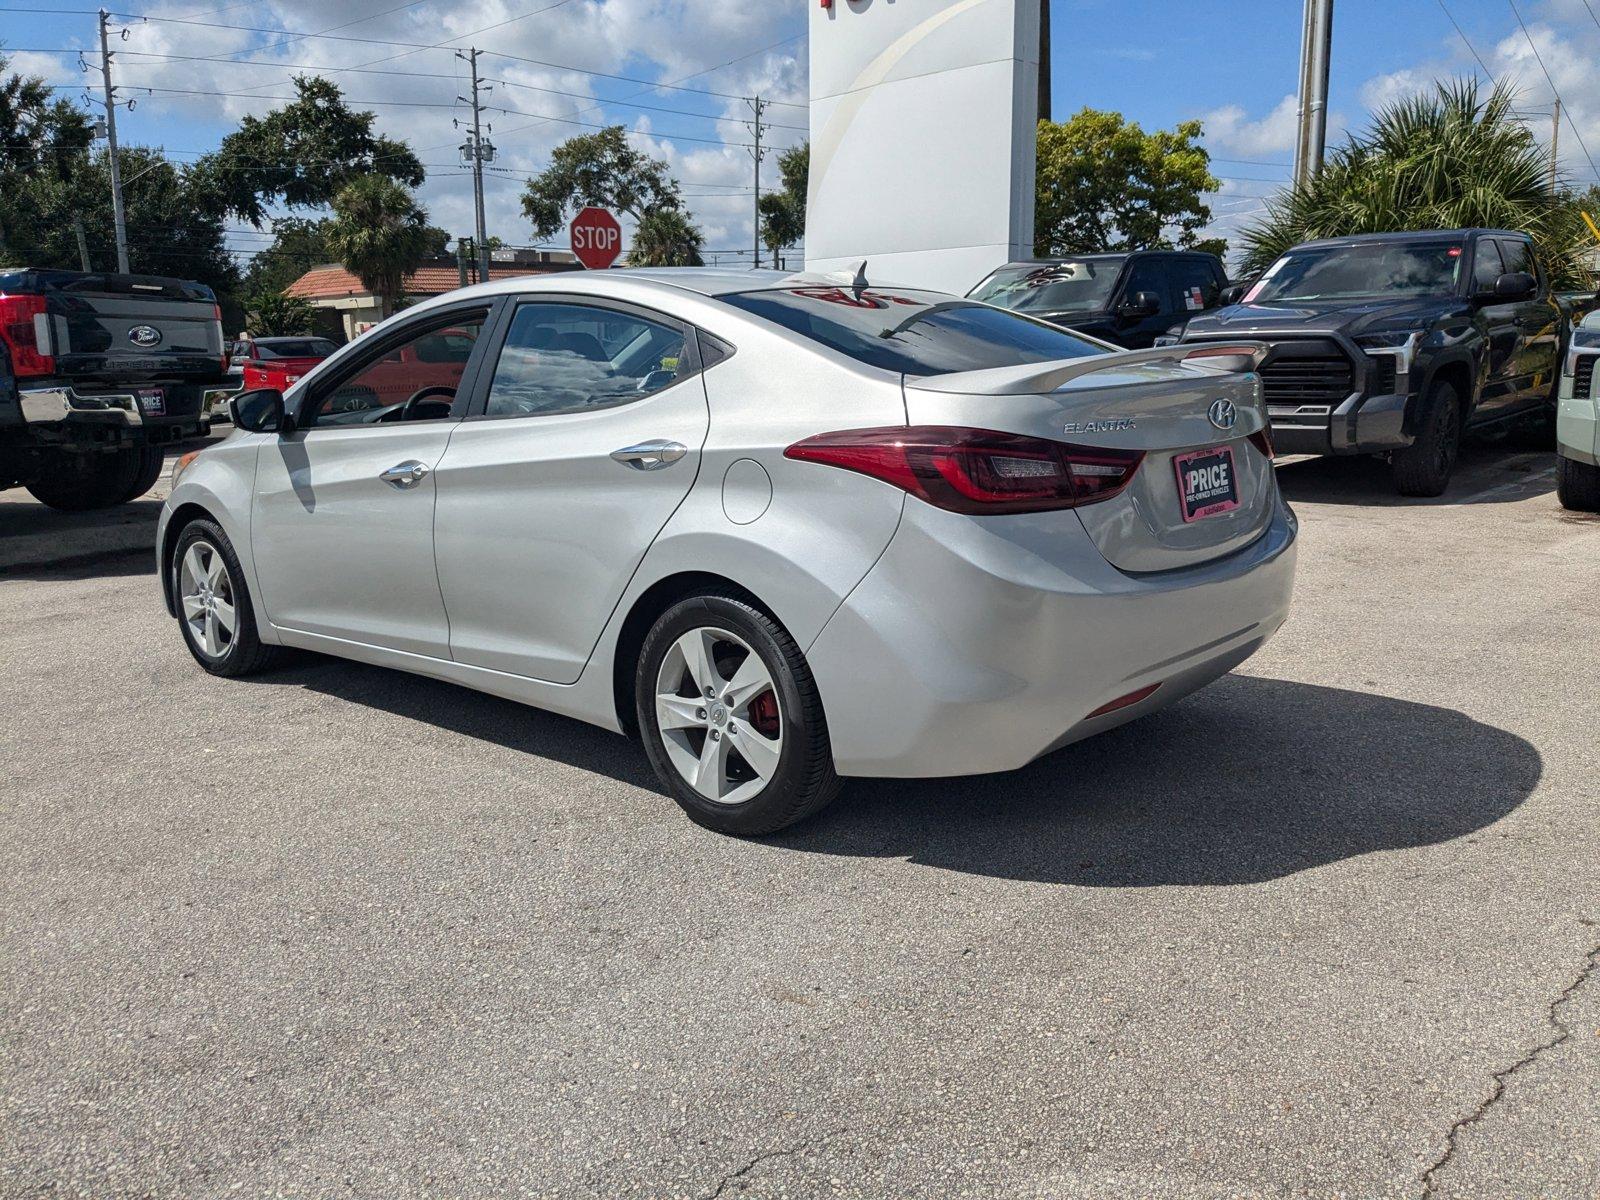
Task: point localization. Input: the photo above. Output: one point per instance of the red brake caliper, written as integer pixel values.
(764, 714)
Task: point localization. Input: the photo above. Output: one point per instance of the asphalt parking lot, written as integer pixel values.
(1329, 928)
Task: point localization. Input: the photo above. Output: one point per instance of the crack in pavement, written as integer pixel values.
(1498, 1084)
(761, 1158)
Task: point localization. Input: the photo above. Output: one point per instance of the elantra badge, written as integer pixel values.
(144, 336)
(1222, 414)
(1110, 425)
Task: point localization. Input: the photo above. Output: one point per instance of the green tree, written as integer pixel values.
(272, 314)
(302, 155)
(37, 132)
(600, 169)
(783, 213)
(380, 234)
(299, 243)
(1449, 159)
(1103, 183)
(666, 238)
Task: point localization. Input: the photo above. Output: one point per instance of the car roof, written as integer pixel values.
(1414, 235)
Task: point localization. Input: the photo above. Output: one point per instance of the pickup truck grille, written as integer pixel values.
(1321, 378)
(1583, 377)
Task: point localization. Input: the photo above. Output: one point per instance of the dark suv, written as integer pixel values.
(1126, 299)
(1395, 343)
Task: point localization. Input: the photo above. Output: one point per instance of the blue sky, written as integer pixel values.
(556, 66)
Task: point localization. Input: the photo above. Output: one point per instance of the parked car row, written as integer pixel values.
(1393, 344)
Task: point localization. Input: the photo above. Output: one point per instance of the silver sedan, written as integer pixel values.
(781, 529)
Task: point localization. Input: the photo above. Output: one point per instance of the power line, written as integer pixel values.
(1462, 35)
(1540, 60)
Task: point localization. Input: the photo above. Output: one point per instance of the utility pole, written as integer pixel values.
(83, 244)
(118, 215)
(1316, 49)
(1555, 146)
(478, 152)
(758, 106)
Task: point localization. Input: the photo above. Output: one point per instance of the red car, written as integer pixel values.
(278, 362)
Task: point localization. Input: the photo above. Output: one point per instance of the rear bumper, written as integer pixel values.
(67, 416)
(966, 651)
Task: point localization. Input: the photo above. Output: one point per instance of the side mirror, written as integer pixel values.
(259, 411)
(1232, 294)
(1517, 285)
(1143, 304)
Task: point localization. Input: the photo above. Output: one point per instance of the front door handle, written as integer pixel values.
(651, 455)
(405, 475)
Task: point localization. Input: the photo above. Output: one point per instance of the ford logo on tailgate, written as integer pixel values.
(145, 336)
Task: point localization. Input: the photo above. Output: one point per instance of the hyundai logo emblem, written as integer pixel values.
(1222, 414)
(145, 336)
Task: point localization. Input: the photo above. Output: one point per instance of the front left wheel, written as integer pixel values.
(214, 611)
(731, 718)
(1577, 485)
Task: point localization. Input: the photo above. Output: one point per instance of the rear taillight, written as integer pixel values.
(976, 471)
(227, 359)
(20, 331)
(1261, 439)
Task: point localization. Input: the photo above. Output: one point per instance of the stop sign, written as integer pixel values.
(596, 238)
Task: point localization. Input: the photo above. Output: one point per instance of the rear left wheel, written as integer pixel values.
(731, 718)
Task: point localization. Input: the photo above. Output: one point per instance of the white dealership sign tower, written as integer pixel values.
(923, 117)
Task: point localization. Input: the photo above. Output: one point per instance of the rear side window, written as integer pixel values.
(296, 348)
(913, 332)
(568, 358)
(1198, 284)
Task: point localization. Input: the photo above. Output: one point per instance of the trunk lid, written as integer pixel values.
(132, 328)
(1157, 401)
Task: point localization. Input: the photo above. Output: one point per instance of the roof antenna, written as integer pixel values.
(859, 283)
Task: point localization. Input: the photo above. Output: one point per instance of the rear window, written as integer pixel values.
(296, 348)
(913, 332)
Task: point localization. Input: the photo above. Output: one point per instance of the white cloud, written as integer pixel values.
(1230, 128)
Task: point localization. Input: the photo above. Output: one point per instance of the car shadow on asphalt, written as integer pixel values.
(1249, 780)
(1487, 472)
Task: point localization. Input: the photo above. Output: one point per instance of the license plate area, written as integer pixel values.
(152, 401)
(1208, 485)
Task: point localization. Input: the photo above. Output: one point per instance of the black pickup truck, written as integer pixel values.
(1129, 300)
(1396, 343)
(97, 374)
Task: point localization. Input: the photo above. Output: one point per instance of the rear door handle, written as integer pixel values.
(651, 455)
(405, 475)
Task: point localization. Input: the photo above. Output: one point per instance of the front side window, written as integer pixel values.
(1486, 266)
(913, 332)
(1519, 257)
(1373, 269)
(1075, 285)
(1147, 275)
(412, 380)
(568, 358)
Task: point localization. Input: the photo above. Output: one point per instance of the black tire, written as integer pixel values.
(244, 653)
(804, 781)
(151, 462)
(1424, 467)
(1577, 485)
(82, 482)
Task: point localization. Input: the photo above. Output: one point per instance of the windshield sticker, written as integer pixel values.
(1194, 300)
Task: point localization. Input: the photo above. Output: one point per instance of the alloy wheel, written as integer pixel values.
(717, 710)
(205, 589)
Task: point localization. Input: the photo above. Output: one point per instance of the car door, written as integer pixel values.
(1537, 320)
(1146, 275)
(1500, 329)
(586, 440)
(342, 522)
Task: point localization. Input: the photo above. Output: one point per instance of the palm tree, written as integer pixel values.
(380, 234)
(665, 237)
(1451, 159)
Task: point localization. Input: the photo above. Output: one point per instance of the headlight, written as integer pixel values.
(1398, 342)
(1582, 340)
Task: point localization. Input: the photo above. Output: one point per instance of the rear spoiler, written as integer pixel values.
(1032, 379)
